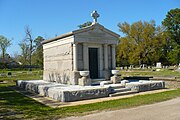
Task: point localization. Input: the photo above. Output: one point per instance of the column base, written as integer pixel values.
(76, 76)
(84, 81)
(115, 79)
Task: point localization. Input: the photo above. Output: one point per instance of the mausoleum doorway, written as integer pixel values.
(93, 63)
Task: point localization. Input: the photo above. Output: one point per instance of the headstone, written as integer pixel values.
(158, 65)
(178, 67)
(131, 67)
(143, 66)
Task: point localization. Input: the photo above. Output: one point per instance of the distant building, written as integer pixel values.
(7, 63)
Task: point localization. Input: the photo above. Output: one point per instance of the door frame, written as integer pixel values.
(100, 58)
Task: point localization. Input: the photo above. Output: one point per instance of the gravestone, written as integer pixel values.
(178, 69)
(88, 49)
(158, 65)
(143, 66)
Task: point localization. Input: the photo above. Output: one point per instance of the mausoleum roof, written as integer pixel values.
(85, 29)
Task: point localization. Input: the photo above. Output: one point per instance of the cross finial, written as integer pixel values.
(95, 15)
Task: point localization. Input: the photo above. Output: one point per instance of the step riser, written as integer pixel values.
(123, 93)
(117, 87)
(121, 90)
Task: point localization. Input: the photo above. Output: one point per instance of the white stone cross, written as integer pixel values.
(95, 15)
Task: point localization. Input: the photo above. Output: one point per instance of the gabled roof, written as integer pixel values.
(85, 29)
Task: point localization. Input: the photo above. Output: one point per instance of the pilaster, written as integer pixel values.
(113, 57)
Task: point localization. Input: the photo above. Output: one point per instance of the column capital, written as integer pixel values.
(85, 44)
(113, 45)
(105, 45)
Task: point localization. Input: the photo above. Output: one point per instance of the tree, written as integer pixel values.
(122, 51)
(30, 40)
(24, 53)
(86, 24)
(4, 44)
(172, 25)
(32, 50)
(38, 53)
(142, 43)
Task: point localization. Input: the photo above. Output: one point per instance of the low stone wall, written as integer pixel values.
(146, 85)
(63, 93)
(85, 94)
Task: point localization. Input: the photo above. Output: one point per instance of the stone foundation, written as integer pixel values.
(63, 93)
(67, 93)
(146, 85)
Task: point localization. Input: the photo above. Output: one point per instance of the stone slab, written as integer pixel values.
(62, 92)
(142, 86)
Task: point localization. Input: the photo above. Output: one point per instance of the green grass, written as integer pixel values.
(162, 73)
(20, 75)
(14, 105)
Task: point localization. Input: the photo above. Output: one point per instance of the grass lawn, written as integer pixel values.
(14, 105)
(21, 75)
(162, 73)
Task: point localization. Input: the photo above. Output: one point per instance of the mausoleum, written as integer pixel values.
(91, 48)
(73, 60)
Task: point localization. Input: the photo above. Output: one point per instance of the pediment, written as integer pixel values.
(96, 30)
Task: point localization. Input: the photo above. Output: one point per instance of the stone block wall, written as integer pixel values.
(58, 63)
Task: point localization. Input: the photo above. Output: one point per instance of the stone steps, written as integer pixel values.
(122, 93)
(118, 90)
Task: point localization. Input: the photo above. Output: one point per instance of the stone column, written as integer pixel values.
(105, 57)
(113, 57)
(106, 70)
(85, 57)
(75, 60)
(76, 75)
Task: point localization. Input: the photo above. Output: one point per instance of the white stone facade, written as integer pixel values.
(67, 54)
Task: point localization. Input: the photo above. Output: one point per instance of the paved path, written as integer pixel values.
(168, 110)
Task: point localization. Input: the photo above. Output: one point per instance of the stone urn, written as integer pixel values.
(84, 73)
(115, 79)
(115, 72)
(84, 80)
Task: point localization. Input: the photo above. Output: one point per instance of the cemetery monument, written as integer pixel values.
(74, 59)
(88, 49)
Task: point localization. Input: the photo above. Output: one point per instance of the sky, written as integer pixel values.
(48, 18)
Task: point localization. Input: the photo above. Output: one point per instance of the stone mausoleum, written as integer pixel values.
(75, 59)
(90, 49)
